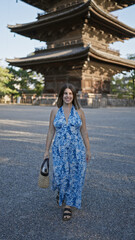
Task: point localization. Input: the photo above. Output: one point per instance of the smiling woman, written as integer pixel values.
(70, 150)
(68, 94)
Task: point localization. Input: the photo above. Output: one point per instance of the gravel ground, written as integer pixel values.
(108, 203)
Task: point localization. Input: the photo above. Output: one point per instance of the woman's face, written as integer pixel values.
(67, 96)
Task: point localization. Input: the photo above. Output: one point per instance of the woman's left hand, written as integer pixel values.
(88, 156)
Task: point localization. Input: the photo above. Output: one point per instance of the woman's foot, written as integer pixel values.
(67, 214)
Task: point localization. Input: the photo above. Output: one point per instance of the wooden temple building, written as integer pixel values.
(77, 34)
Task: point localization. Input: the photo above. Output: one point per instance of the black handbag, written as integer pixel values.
(43, 180)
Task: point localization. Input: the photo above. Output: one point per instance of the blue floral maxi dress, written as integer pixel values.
(69, 158)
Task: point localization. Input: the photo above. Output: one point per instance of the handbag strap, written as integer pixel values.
(46, 172)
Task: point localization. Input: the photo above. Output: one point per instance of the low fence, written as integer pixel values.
(86, 100)
(97, 101)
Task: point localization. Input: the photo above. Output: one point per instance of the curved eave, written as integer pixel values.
(125, 3)
(50, 19)
(70, 55)
(44, 4)
(109, 19)
(48, 57)
(106, 57)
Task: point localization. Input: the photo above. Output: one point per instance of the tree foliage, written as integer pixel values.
(26, 81)
(5, 79)
(132, 75)
(124, 84)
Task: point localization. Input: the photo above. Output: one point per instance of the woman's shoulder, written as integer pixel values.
(80, 112)
(54, 111)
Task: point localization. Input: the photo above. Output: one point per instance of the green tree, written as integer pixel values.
(37, 83)
(27, 81)
(124, 84)
(119, 86)
(5, 79)
(132, 76)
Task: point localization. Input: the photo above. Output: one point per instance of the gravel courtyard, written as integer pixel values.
(108, 203)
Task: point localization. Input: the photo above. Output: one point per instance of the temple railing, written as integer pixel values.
(66, 42)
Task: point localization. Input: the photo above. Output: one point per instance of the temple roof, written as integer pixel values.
(107, 57)
(70, 54)
(125, 3)
(112, 5)
(40, 29)
(47, 4)
(52, 56)
(49, 21)
(106, 18)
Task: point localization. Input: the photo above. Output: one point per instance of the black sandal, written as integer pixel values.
(67, 214)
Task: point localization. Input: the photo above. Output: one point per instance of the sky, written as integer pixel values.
(14, 45)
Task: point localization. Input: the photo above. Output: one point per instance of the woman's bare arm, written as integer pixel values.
(84, 134)
(50, 134)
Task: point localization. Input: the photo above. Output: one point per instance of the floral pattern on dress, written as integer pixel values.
(69, 158)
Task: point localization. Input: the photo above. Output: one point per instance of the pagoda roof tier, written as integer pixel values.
(49, 4)
(107, 19)
(70, 54)
(41, 28)
(112, 5)
(52, 56)
(52, 22)
(112, 59)
(125, 3)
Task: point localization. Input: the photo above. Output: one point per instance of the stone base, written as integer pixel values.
(97, 100)
(85, 100)
(92, 101)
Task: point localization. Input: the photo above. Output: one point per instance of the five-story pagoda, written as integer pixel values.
(77, 34)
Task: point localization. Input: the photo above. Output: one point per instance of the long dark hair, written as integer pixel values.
(60, 96)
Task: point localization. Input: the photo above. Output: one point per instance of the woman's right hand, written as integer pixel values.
(88, 155)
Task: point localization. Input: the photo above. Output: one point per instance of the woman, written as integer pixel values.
(70, 150)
